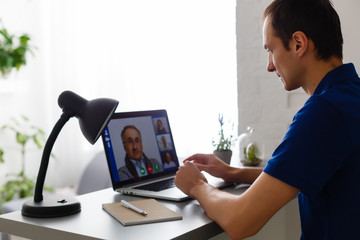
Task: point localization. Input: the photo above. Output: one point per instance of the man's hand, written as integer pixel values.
(218, 168)
(188, 177)
(211, 164)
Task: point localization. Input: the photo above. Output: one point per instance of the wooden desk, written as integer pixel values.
(94, 223)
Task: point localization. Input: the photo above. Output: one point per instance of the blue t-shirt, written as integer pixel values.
(320, 155)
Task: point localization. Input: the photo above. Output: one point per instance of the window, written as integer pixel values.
(159, 54)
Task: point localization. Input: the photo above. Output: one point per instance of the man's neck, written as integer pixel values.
(316, 71)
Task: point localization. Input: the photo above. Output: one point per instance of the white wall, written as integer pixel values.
(349, 15)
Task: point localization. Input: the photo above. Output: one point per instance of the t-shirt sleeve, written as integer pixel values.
(313, 149)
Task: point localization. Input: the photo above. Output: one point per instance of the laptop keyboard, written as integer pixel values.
(158, 186)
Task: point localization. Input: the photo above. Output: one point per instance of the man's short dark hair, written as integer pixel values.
(316, 18)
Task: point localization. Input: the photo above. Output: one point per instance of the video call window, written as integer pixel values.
(141, 146)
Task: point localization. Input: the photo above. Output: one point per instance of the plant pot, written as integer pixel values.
(224, 155)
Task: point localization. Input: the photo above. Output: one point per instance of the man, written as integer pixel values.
(319, 157)
(163, 143)
(167, 160)
(160, 128)
(137, 164)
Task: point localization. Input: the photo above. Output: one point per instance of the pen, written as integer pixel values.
(132, 207)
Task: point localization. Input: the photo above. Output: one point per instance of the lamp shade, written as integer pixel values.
(92, 115)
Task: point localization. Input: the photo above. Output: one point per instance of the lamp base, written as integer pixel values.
(51, 206)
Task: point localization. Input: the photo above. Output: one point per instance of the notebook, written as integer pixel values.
(141, 155)
(156, 212)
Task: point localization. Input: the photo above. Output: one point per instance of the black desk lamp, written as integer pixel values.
(93, 117)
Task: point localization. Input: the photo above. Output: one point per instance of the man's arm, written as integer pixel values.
(239, 216)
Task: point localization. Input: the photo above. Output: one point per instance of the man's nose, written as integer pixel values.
(270, 67)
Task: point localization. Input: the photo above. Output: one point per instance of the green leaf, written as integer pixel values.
(37, 141)
(21, 138)
(18, 185)
(13, 51)
(1, 155)
(49, 189)
(24, 39)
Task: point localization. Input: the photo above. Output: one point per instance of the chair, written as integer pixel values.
(95, 176)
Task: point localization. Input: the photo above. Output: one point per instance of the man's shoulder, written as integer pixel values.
(123, 168)
(123, 171)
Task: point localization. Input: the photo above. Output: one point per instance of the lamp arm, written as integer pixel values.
(38, 197)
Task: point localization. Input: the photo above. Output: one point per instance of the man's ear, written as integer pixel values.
(300, 43)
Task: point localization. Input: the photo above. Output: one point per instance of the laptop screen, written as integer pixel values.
(139, 146)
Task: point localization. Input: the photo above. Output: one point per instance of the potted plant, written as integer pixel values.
(13, 51)
(18, 185)
(224, 144)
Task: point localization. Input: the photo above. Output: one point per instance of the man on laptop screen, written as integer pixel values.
(137, 164)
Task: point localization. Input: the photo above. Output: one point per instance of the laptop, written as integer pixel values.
(141, 155)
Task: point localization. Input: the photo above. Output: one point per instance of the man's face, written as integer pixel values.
(168, 157)
(133, 144)
(281, 61)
